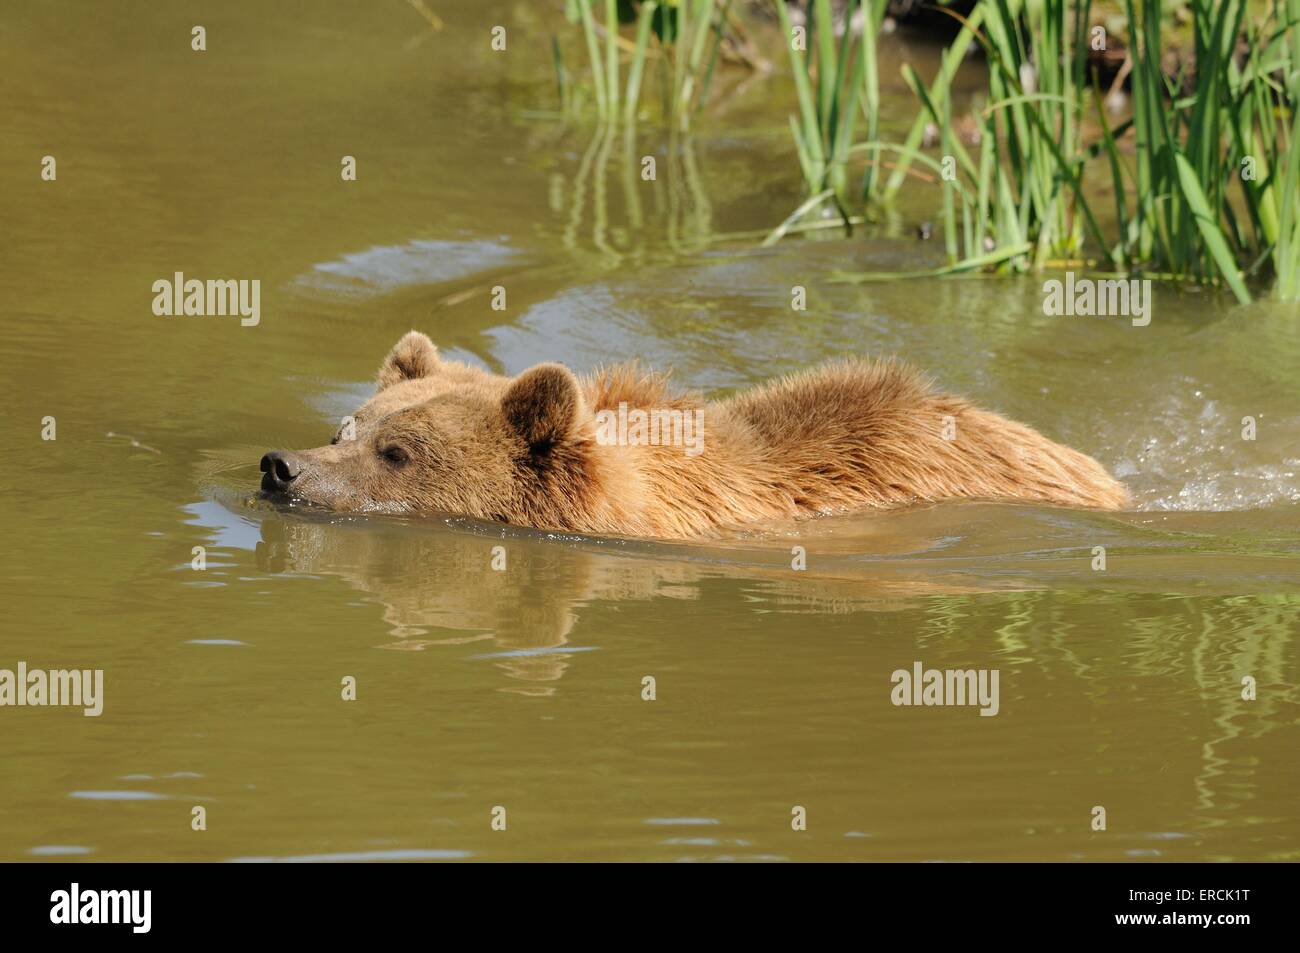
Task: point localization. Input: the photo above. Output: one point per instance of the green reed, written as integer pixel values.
(683, 37)
(1211, 192)
(833, 83)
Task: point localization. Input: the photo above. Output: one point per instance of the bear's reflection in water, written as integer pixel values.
(437, 585)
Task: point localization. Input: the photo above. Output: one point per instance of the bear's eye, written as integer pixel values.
(395, 455)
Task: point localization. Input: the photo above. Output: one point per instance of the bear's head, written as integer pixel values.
(441, 436)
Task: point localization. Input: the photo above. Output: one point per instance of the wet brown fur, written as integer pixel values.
(846, 435)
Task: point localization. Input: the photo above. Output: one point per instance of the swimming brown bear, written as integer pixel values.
(619, 452)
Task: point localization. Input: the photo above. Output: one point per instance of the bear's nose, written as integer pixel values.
(279, 469)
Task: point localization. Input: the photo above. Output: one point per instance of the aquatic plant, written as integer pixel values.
(1211, 192)
(687, 41)
(1237, 125)
(832, 83)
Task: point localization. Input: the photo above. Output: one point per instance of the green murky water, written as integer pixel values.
(523, 688)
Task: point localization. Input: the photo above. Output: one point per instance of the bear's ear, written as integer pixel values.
(411, 357)
(544, 405)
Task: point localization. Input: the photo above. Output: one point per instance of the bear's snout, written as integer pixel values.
(279, 470)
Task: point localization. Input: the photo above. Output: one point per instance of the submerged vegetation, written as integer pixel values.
(1198, 179)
